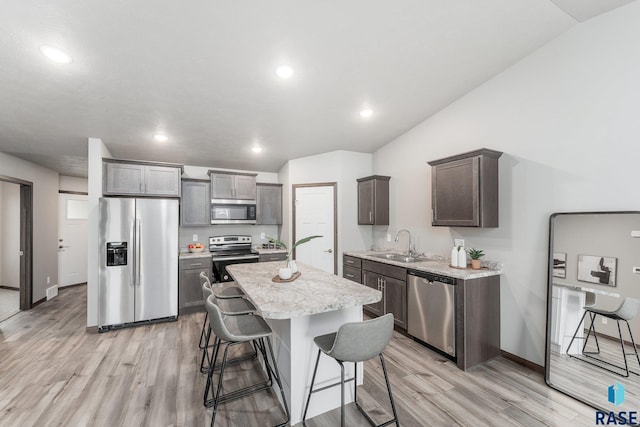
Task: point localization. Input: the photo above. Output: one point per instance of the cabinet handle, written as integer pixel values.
(349, 261)
(384, 297)
(370, 216)
(195, 265)
(349, 275)
(141, 188)
(274, 258)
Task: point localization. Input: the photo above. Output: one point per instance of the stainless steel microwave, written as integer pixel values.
(233, 212)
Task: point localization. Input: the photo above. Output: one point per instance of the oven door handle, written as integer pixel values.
(214, 259)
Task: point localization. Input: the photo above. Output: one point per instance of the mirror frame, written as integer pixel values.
(547, 347)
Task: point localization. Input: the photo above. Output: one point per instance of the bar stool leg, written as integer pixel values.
(202, 331)
(207, 402)
(576, 333)
(313, 380)
(624, 353)
(276, 375)
(341, 393)
(633, 343)
(386, 379)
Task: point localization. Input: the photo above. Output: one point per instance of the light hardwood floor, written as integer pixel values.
(54, 373)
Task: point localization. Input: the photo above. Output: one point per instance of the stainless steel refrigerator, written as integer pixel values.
(138, 261)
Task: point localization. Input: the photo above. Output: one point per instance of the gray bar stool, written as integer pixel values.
(355, 342)
(231, 307)
(232, 331)
(627, 310)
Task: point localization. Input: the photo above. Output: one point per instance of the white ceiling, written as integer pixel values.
(203, 73)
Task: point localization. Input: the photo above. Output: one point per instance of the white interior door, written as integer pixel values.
(314, 215)
(72, 240)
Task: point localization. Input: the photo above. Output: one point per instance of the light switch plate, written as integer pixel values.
(263, 235)
(388, 237)
(458, 242)
(635, 233)
(195, 237)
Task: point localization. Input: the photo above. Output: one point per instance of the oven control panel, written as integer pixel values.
(222, 240)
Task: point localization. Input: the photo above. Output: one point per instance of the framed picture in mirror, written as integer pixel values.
(560, 265)
(597, 269)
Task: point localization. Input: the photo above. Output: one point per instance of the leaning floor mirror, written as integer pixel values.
(593, 318)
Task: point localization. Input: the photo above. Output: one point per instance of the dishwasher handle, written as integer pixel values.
(431, 277)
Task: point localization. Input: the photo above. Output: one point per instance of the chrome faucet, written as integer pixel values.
(410, 251)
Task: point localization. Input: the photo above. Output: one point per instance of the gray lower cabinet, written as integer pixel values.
(272, 257)
(190, 291)
(373, 200)
(195, 204)
(464, 189)
(269, 204)
(392, 281)
(127, 178)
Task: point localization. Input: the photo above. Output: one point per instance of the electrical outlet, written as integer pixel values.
(263, 235)
(635, 233)
(388, 237)
(604, 320)
(636, 270)
(458, 242)
(195, 237)
(48, 280)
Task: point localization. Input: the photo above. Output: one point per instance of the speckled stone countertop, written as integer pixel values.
(187, 255)
(315, 291)
(436, 265)
(261, 251)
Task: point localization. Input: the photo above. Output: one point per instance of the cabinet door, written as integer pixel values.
(190, 294)
(395, 300)
(455, 193)
(269, 201)
(352, 273)
(161, 181)
(195, 203)
(366, 199)
(245, 187)
(373, 280)
(222, 186)
(123, 178)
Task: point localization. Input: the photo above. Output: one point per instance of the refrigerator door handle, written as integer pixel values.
(132, 257)
(137, 254)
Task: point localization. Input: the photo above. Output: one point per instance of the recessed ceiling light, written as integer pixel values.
(256, 149)
(367, 112)
(284, 71)
(160, 137)
(55, 54)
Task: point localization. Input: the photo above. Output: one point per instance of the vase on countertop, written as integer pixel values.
(454, 256)
(285, 273)
(292, 265)
(462, 257)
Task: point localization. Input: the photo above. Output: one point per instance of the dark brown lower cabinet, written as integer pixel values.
(392, 282)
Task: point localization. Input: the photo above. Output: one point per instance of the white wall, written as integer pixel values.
(72, 183)
(566, 119)
(343, 167)
(9, 235)
(45, 218)
(96, 151)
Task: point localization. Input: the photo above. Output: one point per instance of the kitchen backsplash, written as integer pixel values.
(186, 233)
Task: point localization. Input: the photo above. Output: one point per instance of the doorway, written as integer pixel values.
(315, 213)
(72, 238)
(16, 225)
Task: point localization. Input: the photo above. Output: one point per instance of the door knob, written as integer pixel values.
(329, 250)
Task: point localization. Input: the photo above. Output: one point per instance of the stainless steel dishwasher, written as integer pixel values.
(431, 310)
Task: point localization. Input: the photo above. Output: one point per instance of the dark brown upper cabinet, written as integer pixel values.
(464, 189)
(373, 200)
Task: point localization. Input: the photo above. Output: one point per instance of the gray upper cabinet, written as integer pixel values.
(131, 178)
(464, 189)
(195, 205)
(373, 200)
(232, 186)
(269, 201)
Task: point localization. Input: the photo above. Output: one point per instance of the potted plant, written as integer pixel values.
(475, 255)
(290, 266)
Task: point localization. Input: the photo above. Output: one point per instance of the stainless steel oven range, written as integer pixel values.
(227, 250)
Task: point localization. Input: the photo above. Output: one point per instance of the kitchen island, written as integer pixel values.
(316, 303)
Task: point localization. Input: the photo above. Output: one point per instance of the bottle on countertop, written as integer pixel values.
(454, 256)
(462, 257)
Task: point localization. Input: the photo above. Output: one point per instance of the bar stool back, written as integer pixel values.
(356, 342)
(222, 291)
(235, 330)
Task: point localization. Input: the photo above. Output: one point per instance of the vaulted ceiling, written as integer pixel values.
(203, 73)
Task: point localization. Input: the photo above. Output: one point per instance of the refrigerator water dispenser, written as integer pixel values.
(116, 254)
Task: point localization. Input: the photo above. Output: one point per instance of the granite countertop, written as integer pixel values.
(261, 251)
(315, 291)
(187, 255)
(435, 264)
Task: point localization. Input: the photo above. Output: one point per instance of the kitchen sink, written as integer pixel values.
(398, 257)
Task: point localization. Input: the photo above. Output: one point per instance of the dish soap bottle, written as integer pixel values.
(462, 257)
(454, 256)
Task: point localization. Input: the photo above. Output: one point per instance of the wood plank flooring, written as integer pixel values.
(54, 373)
